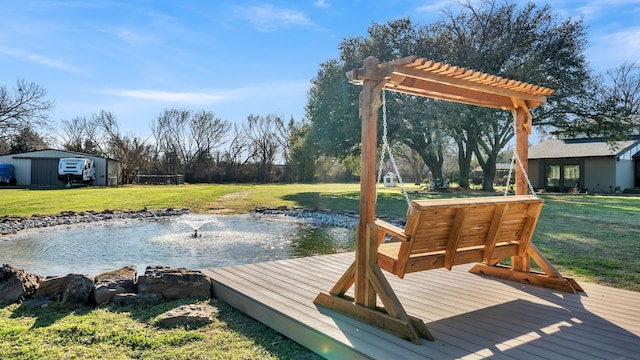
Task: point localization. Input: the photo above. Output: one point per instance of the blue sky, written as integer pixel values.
(234, 58)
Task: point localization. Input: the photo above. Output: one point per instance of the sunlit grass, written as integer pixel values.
(114, 332)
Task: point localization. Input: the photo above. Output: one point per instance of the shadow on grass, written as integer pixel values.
(48, 315)
(390, 203)
(321, 201)
(277, 344)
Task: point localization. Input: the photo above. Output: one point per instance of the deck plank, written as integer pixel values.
(471, 316)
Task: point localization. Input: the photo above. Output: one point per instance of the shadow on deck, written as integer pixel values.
(470, 316)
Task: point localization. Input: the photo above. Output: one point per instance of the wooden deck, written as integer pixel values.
(470, 316)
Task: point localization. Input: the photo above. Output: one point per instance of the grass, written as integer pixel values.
(590, 238)
(130, 333)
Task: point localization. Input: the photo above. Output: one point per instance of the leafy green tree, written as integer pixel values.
(523, 42)
(301, 153)
(526, 43)
(26, 140)
(332, 109)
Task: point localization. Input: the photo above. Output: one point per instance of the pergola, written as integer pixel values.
(421, 77)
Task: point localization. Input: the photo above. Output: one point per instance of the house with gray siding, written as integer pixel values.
(585, 164)
(40, 168)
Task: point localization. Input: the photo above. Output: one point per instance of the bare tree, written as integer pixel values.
(265, 142)
(80, 134)
(132, 151)
(236, 156)
(25, 107)
(186, 140)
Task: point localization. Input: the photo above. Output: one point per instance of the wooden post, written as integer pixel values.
(523, 128)
(366, 250)
(522, 147)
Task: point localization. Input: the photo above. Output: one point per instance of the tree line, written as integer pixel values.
(523, 42)
(528, 43)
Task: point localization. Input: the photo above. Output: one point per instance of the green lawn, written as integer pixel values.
(590, 238)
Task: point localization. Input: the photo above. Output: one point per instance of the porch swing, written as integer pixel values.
(439, 233)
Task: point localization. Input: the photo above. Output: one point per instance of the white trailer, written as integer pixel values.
(76, 170)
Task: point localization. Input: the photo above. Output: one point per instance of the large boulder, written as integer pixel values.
(78, 291)
(110, 283)
(71, 290)
(174, 283)
(16, 284)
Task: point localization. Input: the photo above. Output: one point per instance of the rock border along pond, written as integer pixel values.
(123, 286)
(13, 224)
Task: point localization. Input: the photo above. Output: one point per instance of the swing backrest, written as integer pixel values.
(447, 232)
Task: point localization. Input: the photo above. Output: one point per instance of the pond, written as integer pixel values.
(223, 240)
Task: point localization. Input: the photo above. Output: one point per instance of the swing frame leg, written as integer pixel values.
(520, 272)
(391, 318)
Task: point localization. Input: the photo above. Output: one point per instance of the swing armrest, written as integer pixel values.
(389, 229)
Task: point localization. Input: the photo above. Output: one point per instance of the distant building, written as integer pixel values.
(591, 165)
(502, 172)
(40, 168)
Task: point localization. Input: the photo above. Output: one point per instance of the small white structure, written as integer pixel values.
(389, 180)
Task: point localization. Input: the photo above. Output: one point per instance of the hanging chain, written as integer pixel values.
(513, 162)
(384, 142)
(385, 145)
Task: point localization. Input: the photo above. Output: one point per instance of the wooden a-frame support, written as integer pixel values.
(411, 75)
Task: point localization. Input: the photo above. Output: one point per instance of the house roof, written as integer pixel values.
(577, 148)
(27, 154)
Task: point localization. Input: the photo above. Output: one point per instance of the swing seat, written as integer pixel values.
(446, 232)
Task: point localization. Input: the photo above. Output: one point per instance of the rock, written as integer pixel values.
(125, 299)
(191, 315)
(174, 283)
(71, 290)
(39, 302)
(13, 224)
(53, 287)
(16, 284)
(108, 284)
(78, 291)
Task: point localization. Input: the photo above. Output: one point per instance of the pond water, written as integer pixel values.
(221, 241)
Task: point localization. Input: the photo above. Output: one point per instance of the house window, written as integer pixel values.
(571, 177)
(561, 176)
(552, 176)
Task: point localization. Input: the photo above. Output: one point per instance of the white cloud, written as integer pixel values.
(434, 7)
(269, 18)
(132, 37)
(607, 51)
(43, 60)
(321, 4)
(168, 96)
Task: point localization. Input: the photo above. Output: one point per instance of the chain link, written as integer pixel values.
(387, 147)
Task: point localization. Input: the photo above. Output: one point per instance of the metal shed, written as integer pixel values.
(40, 168)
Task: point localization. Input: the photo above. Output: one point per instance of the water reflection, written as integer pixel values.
(221, 241)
